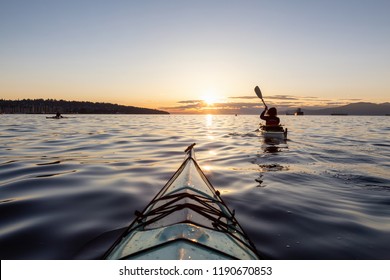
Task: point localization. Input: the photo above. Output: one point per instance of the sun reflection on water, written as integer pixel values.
(209, 120)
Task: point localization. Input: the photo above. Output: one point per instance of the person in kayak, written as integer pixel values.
(271, 118)
(57, 116)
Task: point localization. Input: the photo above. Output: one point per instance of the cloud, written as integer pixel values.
(186, 107)
(243, 97)
(190, 101)
(191, 105)
(283, 97)
(336, 103)
(238, 104)
(276, 97)
(352, 99)
(253, 105)
(199, 106)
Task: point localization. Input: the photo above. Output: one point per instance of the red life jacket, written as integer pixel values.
(272, 121)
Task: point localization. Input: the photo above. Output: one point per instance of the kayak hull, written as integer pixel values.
(271, 132)
(186, 220)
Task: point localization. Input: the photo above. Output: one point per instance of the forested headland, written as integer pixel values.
(52, 106)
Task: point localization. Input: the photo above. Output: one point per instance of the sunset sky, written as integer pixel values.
(196, 56)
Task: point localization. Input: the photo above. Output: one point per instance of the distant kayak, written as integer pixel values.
(186, 220)
(277, 132)
(57, 116)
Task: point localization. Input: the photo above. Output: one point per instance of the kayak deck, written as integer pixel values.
(186, 220)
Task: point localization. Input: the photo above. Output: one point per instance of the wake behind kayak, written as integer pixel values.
(186, 220)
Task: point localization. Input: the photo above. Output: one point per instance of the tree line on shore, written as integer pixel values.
(52, 106)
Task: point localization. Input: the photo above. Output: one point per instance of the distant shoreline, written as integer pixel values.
(52, 106)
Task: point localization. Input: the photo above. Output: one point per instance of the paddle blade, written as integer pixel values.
(258, 92)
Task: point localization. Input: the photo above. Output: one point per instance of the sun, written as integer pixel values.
(209, 100)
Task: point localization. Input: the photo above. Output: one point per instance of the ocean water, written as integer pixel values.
(68, 187)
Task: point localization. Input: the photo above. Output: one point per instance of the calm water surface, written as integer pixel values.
(69, 186)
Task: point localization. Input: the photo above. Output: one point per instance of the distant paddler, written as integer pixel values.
(57, 116)
(272, 127)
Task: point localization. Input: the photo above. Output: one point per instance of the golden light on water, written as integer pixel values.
(209, 120)
(207, 168)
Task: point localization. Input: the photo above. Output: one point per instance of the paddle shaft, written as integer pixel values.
(263, 102)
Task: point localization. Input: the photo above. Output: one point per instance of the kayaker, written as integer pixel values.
(271, 118)
(58, 116)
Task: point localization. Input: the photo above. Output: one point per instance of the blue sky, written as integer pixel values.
(158, 53)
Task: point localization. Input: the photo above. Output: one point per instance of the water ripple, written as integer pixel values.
(69, 187)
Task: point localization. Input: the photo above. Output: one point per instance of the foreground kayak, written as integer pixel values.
(186, 220)
(277, 132)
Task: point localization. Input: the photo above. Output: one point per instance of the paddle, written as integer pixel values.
(258, 93)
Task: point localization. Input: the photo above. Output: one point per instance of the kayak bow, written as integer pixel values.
(186, 220)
